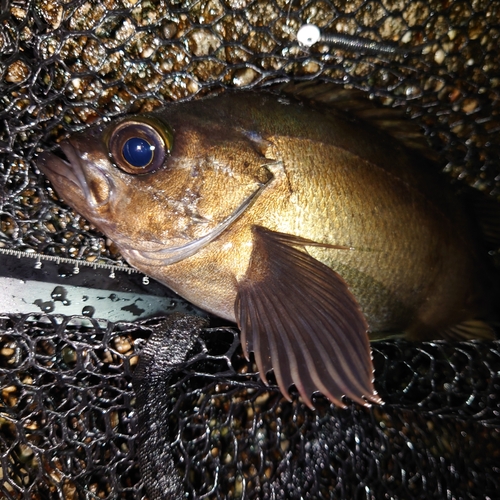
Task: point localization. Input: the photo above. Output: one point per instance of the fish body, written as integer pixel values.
(305, 227)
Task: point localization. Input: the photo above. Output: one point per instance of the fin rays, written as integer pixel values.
(299, 318)
(318, 292)
(468, 330)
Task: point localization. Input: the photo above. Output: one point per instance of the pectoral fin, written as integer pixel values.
(300, 319)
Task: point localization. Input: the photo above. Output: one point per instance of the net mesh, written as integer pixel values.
(68, 413)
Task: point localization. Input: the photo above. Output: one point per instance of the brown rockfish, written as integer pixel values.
(308, 229)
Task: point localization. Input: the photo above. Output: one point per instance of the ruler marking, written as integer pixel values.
(66, 260)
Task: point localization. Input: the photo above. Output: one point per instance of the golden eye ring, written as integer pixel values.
(140, 145)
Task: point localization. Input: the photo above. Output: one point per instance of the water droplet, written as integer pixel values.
(88, 311)
(133, 309)
(59, 294)
(65, 271)
(46, 307)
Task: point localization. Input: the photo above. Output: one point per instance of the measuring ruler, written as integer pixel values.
(34, 283)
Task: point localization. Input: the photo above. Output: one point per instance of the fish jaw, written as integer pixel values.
(66, 174)
(84, 185)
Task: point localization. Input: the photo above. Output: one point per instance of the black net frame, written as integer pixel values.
(68, 409)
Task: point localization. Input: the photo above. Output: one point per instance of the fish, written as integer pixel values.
(312, 231)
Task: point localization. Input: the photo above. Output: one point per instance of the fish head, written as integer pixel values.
(161, 185)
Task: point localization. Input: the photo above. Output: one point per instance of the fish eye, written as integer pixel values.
(138, 152)
(139, 146)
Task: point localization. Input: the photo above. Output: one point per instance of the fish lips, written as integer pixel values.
(76, 177)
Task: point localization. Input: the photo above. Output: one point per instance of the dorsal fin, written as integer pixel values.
(356, 104)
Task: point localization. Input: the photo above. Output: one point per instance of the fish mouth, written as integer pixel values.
(171, 255)
(65, 165)
(65, 170)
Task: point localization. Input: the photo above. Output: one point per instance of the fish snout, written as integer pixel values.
(75, 176)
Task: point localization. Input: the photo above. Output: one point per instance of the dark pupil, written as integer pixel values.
(138, 152)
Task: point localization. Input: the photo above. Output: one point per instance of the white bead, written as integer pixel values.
(308, 34)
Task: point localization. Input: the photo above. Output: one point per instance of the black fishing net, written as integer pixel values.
(71, 392)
